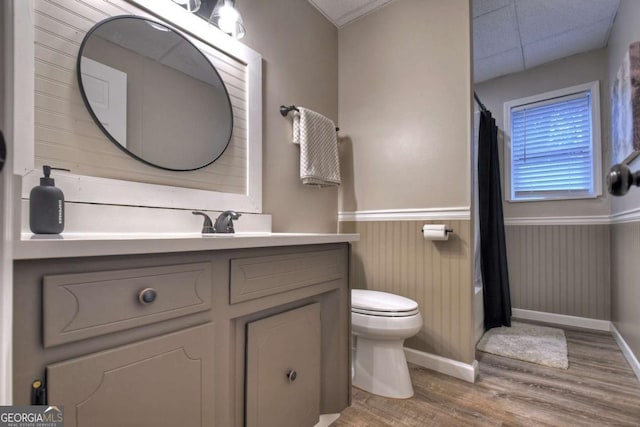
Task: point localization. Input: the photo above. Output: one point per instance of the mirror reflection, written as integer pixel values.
(154, 94)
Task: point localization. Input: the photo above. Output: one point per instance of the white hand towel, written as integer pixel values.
(316, 134)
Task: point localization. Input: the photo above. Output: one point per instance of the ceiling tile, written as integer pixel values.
(538, 19)
(495, 32)
(566, 44)
(480, 7)
(498, 65)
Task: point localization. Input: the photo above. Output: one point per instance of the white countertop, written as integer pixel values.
(102, 244)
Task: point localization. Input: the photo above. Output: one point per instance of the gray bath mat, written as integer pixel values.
(530, 343)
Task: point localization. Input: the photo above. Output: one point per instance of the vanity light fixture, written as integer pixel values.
(191, 5)
(226, 17)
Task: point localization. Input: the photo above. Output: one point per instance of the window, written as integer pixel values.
(554, 148)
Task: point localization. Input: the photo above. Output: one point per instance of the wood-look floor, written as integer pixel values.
(598, 389)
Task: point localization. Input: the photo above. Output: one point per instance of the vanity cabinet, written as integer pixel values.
(214, 343)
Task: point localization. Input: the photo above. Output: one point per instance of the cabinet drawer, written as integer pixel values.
(79, 306)
(257, 277)
(161, 382)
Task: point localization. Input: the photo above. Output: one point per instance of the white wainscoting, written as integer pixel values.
(632, 215)
(426, 214)
(559, 220)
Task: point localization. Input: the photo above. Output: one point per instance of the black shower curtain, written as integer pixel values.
(493, 251)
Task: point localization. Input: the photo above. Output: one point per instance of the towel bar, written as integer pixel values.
(284, 110)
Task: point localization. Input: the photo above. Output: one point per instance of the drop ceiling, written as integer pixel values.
(512, 35)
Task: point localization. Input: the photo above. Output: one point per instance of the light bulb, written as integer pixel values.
(228, 19)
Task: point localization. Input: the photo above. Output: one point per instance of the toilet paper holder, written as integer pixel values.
(446, 230)
(436, 232)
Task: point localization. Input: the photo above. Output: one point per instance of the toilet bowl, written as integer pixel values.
(380, 322)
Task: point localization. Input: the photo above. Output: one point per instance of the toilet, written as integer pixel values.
(380, 323)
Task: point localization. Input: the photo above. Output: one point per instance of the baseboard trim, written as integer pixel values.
(464, 371)
(562, 319)
(327, 419)
(626, 350)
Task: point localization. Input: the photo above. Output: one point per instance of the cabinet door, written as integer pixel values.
(165, 381)
(283, 369)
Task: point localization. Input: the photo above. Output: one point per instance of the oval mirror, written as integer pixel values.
(154, 94)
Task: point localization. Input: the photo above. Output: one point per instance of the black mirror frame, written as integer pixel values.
(3, 151)
(97, 120)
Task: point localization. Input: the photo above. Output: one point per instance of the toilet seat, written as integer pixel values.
(383, 304)
(381, 313)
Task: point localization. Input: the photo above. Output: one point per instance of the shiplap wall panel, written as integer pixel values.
(66, 136)
(562, 269)
(392, 256)
(625, 282)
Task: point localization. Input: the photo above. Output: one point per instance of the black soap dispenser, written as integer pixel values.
(46, 205)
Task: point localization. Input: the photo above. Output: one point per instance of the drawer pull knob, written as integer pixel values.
(147, 296)
(292, 375)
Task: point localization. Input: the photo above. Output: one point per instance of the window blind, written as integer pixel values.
(551, 148)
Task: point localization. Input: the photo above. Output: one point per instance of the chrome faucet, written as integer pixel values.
(224, 223)
(207, 226)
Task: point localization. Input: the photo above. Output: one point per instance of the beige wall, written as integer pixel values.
(404, 100)
(625, 31)
(560, 74)
(392, 256)
(299, 48)
(625, 237)
(405, 111)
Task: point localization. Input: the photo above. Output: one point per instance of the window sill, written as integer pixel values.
(555, 199)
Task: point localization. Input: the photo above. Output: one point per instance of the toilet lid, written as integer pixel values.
(381, 302)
